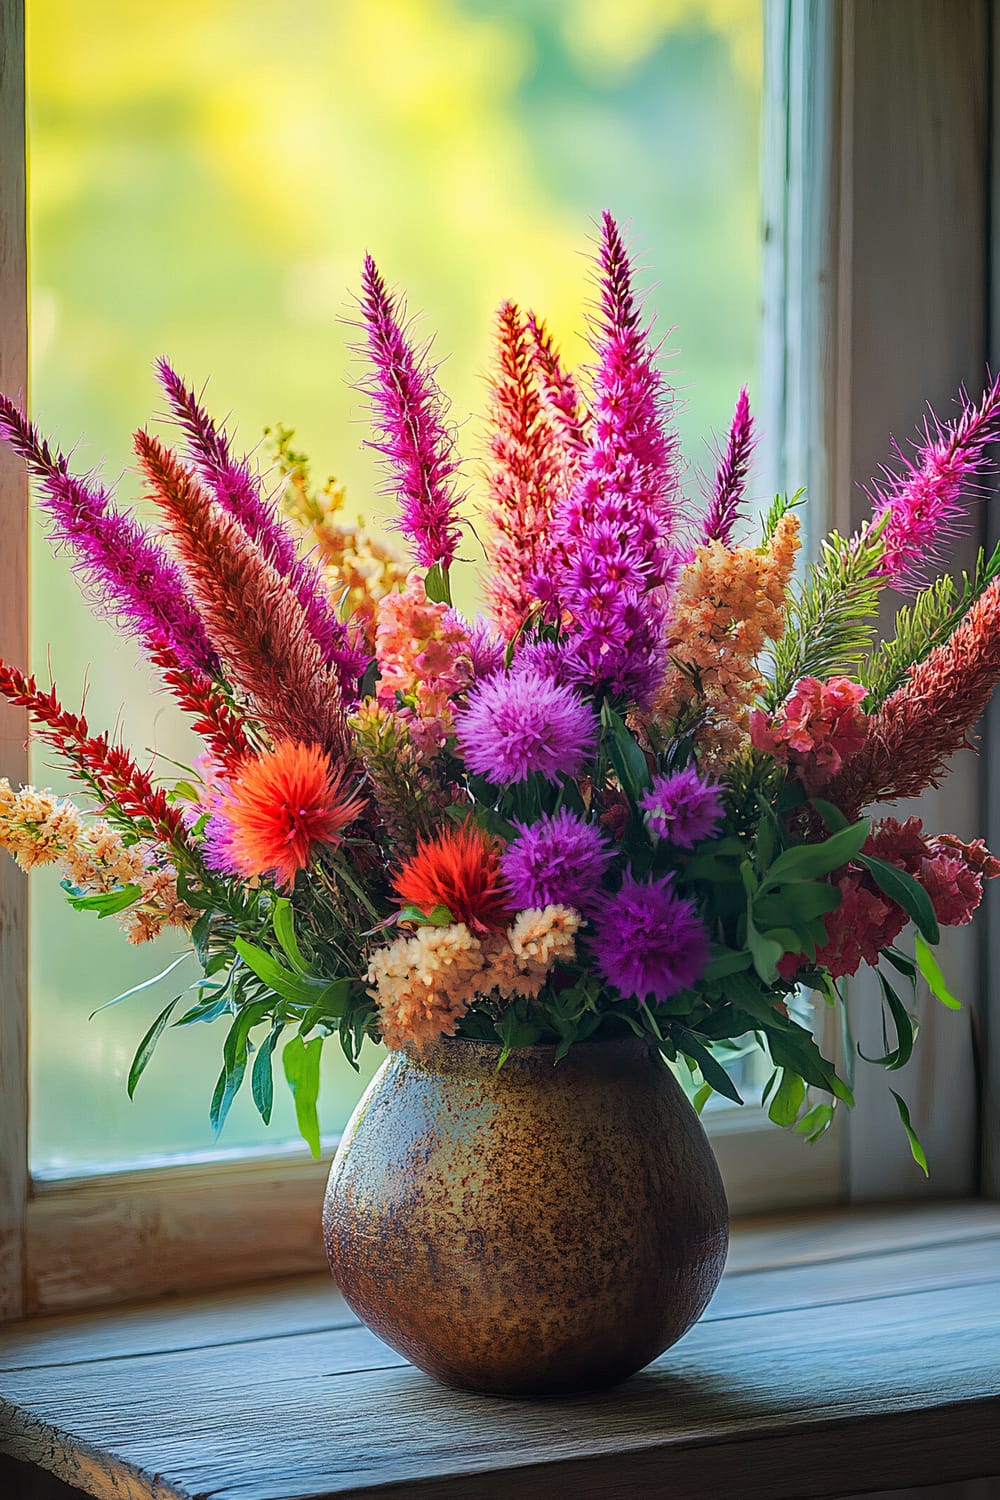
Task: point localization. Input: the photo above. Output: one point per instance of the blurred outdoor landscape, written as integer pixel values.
(205, 178)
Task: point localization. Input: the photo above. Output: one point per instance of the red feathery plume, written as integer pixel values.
(108, 768)
(559, 389)
(214, 719)
(458, 868)
(280, 807)
(921, 725)
(530, 470)
(251, 614)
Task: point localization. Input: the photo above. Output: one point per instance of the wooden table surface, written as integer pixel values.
(843, 1352)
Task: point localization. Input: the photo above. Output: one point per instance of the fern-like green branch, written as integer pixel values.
(831, 625)
(780, 506)
(924, 624)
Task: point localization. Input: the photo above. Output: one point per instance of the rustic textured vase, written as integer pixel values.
(530, 1230)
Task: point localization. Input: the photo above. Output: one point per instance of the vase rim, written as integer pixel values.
(627, 1043)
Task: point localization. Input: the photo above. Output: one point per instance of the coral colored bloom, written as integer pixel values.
(864, 923)
(682, 808)
(517, 724)
(926, 504)
(820, 726)
(412, 435)
(458, 868)
(278, 810)
(424, 652)
(559, 860)
(649, 942)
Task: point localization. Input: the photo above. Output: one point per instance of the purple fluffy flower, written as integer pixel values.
(412, 433)
(649, 942)
(486, 647)
(523, 722)
(558, 861)
(548, 658)
(237, 490)
(617, 527)
(682, 808)
(124, 571)
(731, 475)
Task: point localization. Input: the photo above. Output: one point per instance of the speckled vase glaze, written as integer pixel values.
(530, 1230)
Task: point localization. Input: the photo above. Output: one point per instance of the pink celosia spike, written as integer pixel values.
(412, 434)
(926, 503)
(559, 389)
(731, 475)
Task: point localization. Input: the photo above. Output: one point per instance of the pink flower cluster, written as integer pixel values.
(820, 726)
(424, 653)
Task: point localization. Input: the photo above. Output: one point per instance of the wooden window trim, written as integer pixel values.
(123, 1235)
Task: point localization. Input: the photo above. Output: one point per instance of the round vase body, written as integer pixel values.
(531, 1230)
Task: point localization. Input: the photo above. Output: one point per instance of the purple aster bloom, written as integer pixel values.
(682, 808)
(548, 658)
(237, 490)
(486, 647)
(124, 571)
(217, 849)
(558, 861)
(412, 434)
(649, 942)
(617, 528)
(518, 723)
(731, 475)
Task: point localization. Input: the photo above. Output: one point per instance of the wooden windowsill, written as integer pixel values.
(844, 1351)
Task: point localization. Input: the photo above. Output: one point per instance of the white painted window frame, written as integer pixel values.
(830, 397)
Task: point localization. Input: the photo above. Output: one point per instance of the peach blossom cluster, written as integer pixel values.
(425, 660)
(729, 606)
(821, 725)
(425, 983)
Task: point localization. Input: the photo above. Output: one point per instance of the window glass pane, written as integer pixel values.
(205, 178)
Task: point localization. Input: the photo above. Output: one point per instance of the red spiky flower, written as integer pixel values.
(458, 868)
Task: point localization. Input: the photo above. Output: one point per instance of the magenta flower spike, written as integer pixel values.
(237, 489)
(123, 571)
(412, 434)
(731, 475)
(926, 504)
(617, 526)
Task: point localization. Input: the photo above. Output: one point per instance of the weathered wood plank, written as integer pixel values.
(14, 646)
(292, 1417)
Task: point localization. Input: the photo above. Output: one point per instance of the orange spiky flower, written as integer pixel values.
(278, 810)
(458, 868)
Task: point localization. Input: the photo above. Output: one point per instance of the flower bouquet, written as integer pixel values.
(626, 802)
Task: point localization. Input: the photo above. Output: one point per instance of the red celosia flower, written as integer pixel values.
(280, 807)
(458, 868)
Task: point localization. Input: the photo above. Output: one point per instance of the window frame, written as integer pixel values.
(122, 1235)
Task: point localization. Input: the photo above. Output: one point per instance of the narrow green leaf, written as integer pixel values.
(725, 962)
(301, 1064)
(626, 755)
(816, 1122)
(277, 978)
(702, 1097)
(262, 1076)
(234, 1060)
(137, 989)
(283, 922)
(106, 903)
(916, 1150)
(899, 1055)
(931, 970)
(147, 1046)
(439, 916)
(712, 1071)
(906, 892)
(810, 861)
(788, 1099)
(832, 816)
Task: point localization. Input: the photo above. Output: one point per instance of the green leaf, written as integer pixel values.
(931, 970)
(234, 1061)
(798, 902)
(766, 953)
(147, 1046)
(702, 1097)
(626, 756)
(906, 892)
(916, 1150)
(301, 1064)
(788, 1099)
(107, 903)
(137, 989)
(832, 816)
(727, 961)
(712, 1071)
(901, 962)
(331, 1006)
(277, 978)
(436, 584)
(810, 861)
(283, 922)
(899, 1055)
(262, 1077)
(816, 1122)
(439, 916)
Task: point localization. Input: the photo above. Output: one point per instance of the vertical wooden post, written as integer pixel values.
(13, 646)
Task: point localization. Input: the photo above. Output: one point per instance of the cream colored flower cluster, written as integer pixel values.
(39, 828)
(424, 984)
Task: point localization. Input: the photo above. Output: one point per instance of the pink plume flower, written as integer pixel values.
(412, 435)
(617, 524)
(731, 475)
(926, 503)
(820, 726)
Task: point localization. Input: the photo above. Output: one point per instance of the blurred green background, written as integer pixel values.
(205, 178)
